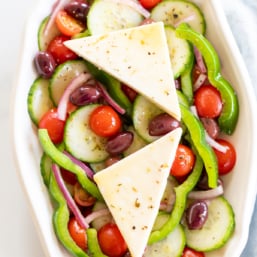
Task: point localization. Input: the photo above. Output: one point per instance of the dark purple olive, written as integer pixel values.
(85, 94)
(119, 143)
(162, 124)
(197, 214)
(45, 64)
(211, 127)
(78, 10)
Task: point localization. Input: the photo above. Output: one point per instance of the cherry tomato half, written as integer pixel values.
(67, 24)
(68, 177)
(208, 101)
(82, 197)
(53, 124)
(59, 51)
(227, 160)
(184, 161)
(111, 240)
(77, 233)
(148, 4)
(104, 121)
(188, 252)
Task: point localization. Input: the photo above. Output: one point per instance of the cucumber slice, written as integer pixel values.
(173, 12)
(106, 16)
(181, 54)
(39, 101)
(63, 75)
(137, 143)
(143, 112)
(217, 229)
(171, 246)
(44, 40)
(101, 221)
(80, 140)
(98, 166)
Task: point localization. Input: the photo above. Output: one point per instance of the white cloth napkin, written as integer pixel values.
(242, 18)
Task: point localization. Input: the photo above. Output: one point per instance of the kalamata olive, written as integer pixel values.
(111, 160)
(211, 127)
(162, 124)
(45, 64)
(84, 95)
(119, 143)
(78, 10)
(197, 214)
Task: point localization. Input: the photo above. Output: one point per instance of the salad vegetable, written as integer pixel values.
(88, 120)
(230, 110)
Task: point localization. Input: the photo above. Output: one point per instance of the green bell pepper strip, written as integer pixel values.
(93, 245)
(197, 134)
(62, 160)
(229, 116)
(61, 218)
(180, 202)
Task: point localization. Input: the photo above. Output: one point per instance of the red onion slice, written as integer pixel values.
(206, 194)
(96, 214)
(200, 80)
(59, 4)
(134, 5)
(199, 60)
(109, 100)
(82, 165)
(186, 19)
(70, 202)
(194, 110)
(213, 143)
(75, 83)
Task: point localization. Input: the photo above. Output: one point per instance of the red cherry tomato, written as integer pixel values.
(67, 24)
(148, 4)
(104, 121)
(208, 101)
(59, 51)
(68, 177)
(53, 124)
(188, 252)
(77, 233)
(82, 197)
(111, 240)
(227, 160)
(184, 161)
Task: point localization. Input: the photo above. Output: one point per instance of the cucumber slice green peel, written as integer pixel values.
(62, 160)
(229, 115)
(180, 203)
(61, 218)
(187, 83)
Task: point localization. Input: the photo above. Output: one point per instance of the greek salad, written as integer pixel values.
(111, 135)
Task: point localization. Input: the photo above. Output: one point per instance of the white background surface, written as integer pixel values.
(18, 237)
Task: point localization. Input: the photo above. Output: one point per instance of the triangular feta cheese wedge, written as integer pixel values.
(139, 57)
(133, 188)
